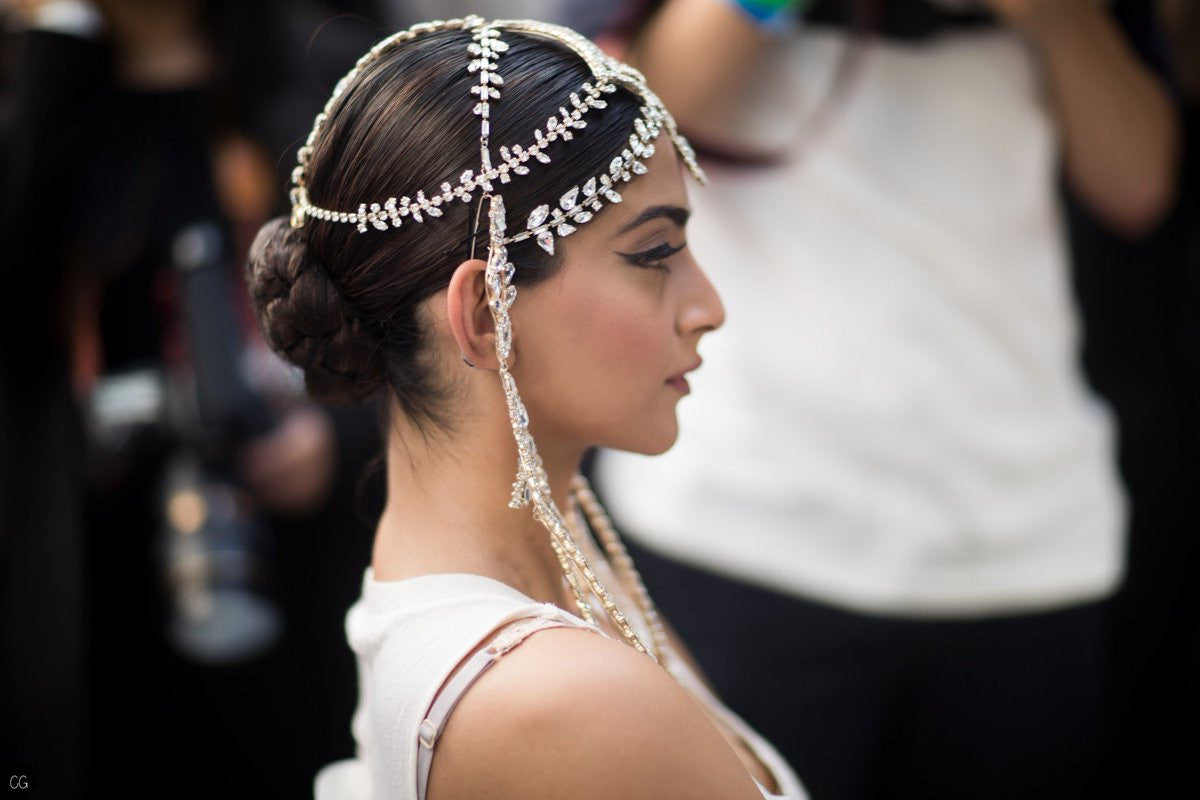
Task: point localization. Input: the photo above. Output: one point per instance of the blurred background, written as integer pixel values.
(182, 530)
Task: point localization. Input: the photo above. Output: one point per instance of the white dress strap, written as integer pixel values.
(447, 698)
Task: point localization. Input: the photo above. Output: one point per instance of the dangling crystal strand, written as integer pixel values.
(627, 572)
(571, 559)
(564, 561)
(532, 484)
(553, 520)
(561, 532)
(585, 608)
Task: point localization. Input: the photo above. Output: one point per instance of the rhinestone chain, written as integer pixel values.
(599, 521)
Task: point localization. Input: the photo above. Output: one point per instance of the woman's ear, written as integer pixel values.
(469, 316)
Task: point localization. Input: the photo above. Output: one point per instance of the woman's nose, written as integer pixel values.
(702, 310)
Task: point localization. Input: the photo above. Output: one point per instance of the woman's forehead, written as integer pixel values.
(662, 188)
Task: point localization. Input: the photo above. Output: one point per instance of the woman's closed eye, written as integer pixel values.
(653, 258)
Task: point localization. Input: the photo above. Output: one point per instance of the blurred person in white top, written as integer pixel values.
(894, 429)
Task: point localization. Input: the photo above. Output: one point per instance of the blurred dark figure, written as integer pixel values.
(1141, 311)
(127, 124)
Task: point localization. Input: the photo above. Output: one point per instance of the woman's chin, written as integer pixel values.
(651, 443)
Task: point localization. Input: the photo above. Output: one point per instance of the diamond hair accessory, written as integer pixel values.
(573, 208)
(577, 205)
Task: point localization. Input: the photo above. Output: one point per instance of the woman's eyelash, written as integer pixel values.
(653, 257)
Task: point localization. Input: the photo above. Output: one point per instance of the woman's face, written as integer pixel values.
(601, 349)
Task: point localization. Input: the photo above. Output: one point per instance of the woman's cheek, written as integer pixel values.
(629, 323)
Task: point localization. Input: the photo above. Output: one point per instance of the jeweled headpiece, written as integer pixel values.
(553, 219)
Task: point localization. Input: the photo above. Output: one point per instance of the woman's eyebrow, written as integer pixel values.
(676, 214)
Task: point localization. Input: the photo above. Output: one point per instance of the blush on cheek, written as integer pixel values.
(628, 327)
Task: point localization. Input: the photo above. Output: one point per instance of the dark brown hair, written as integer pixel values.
(343, 305)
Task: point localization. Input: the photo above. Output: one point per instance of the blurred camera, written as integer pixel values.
(215, 554)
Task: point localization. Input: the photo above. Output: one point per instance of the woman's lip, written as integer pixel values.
(680, 383)
(682, 373)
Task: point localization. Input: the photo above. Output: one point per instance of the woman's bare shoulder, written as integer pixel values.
(570, 713)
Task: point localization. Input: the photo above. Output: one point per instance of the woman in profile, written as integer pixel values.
(488, 229)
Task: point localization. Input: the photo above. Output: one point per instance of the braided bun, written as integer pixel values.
(307, 321)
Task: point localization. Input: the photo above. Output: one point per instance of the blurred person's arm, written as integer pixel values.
(1120, 133)
(160, 44)
(706, 59)
(292, 469)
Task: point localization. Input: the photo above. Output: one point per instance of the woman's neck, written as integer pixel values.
(447, 507)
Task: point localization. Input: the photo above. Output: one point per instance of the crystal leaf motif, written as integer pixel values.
(545, 240)
(537, 217)
(567, 201)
